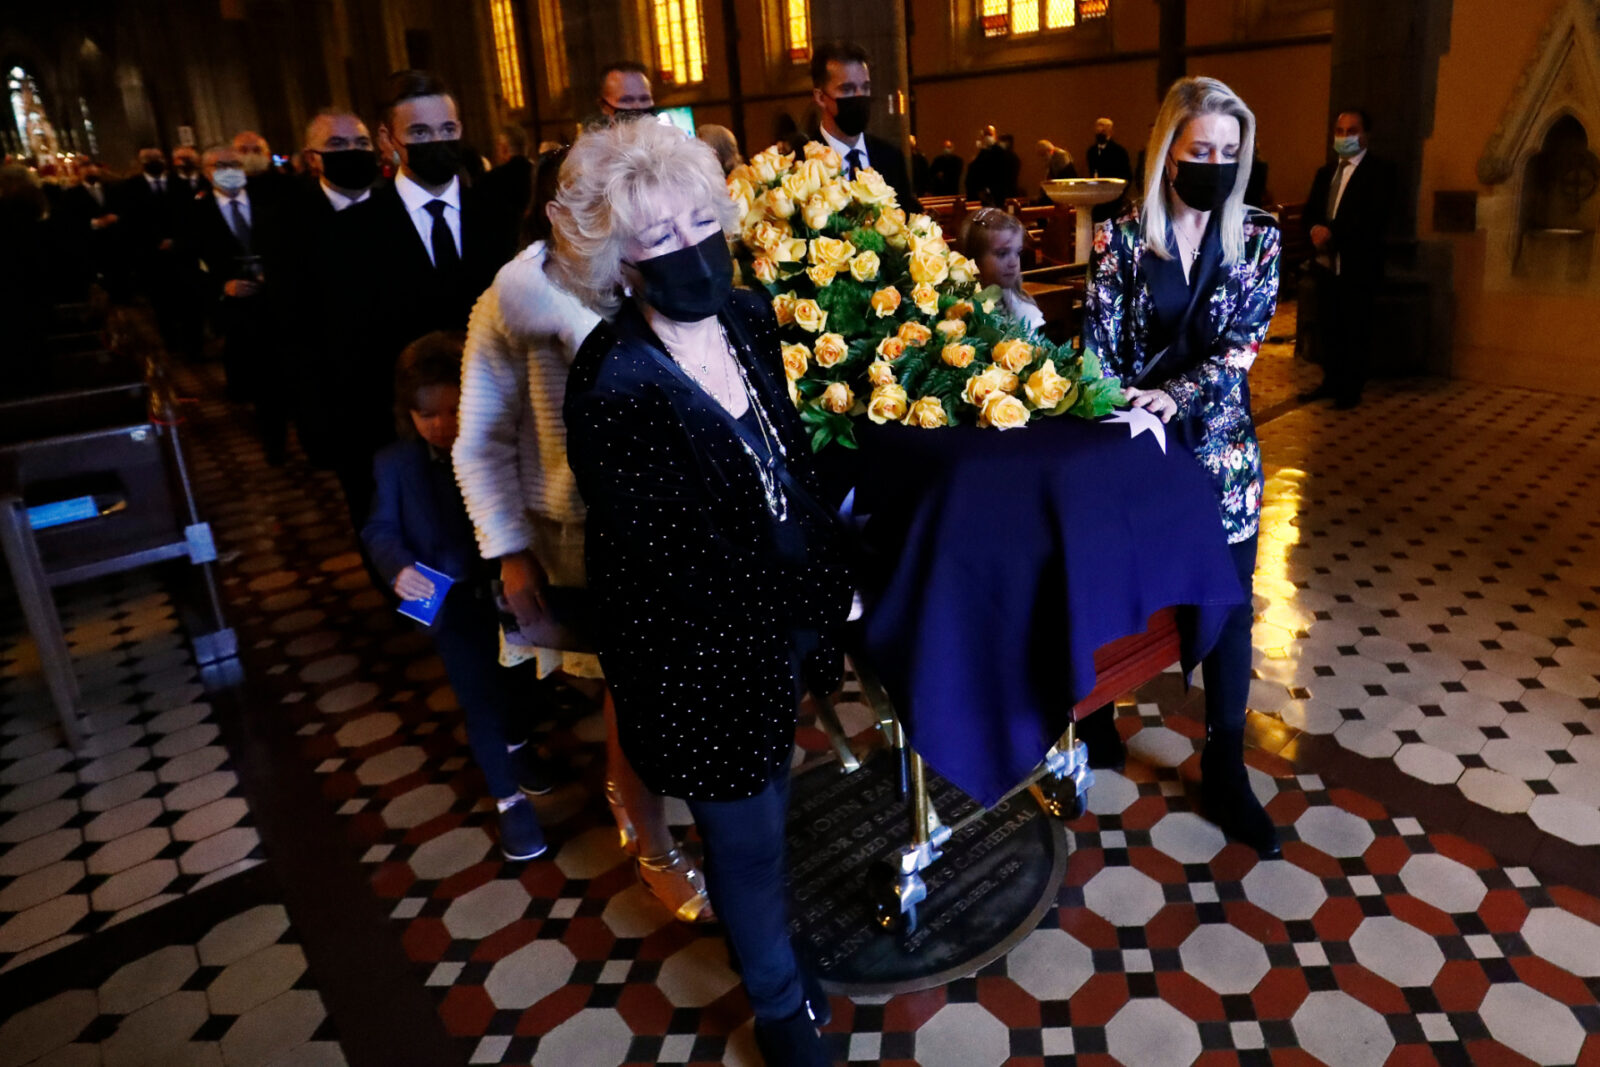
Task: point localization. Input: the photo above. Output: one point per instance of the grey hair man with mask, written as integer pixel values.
(339, 155)
(841, 87)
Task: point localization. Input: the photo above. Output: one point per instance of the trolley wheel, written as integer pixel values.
(1062, 800)
(881, 891)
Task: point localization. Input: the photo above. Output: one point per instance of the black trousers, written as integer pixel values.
(1345, 309)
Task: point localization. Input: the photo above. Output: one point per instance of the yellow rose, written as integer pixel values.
(885, 301)
(832, 252)
(765, 167)
(922, 225)
(1002, 411)
(791, 250)
(962, 270)
(809, 316)
(779, 203)
(837, 194)
(797, 187)
(795, 361)
(765, 270)
(929, 268)
(959, 310)
(891, 226)
(831, 349)
(927, 414)
(982, 386)
(1045, 388)
(1013, 355)
(764, 237)
(742, 173)
(864, 267)
(794, 394)
(742, 193)
(958, 356)
(926, 297)
(838, 399)
(817, 212)
(888, 403)
(934, 243)
(880, 373)
(870, 188)
(891, 348)
(783, 308)
(914, 333)
(826, 156)
(821, 277)
(951, 330)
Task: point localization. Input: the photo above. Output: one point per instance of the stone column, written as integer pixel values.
(880, 28)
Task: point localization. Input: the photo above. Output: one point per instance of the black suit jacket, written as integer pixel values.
(890, 162)
(1362, 221)
(1109, 160)
(147, 217)
(945, 174)
(507, 189)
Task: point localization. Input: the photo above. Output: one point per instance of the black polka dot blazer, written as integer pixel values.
(705, 603)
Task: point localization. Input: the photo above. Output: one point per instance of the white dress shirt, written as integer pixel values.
(340, 202)
(242, 198)
(417, 199)
(157, 185)
(844, 149)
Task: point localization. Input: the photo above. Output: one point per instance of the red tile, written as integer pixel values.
(1294, 1057)
(1552, 981)
(1171, 926)
(910, 1010)
(667, 940)
(465, 881)
(1258, 923)
(1280, 993)
(466, 1010)
(1267, 763)
(1287, 806)
(1379, 994)
(1589, 1055)
(543, 881)
(1217, 1058)
(1422, 915)
(553, 1010)
(725, 1014)
(1100, 998)
(1312, 859)
(1579, 903)
(1190, 996)
(1144, 813)
(426, 940)
(1411, 1056)
(1083, 865)
(1157, 864)
(1338, 918)
(1233, 862)
(1503, 911)
(1098, 1059)
(1486, 1053)
(1088, 928)
(392, 880)
(1192, 728)
(1463, 851)
(1460, 985)
(431, 829)
(506, 940)
(1007, 1002)
(645, 1008)
(1356, 804)
(589, 938)
(367, 826)
(1387, 855)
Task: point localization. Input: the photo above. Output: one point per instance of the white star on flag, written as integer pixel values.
(1139, 421)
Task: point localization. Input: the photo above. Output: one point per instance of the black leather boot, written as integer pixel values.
(791, 1042)
(1098, 732)
(1228, 799)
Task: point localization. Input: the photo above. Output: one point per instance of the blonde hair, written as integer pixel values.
(1190, 98)
(985, 226)
(606, 181)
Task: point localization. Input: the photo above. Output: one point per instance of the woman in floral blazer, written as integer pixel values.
(1181, 291)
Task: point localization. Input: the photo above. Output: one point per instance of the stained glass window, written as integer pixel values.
(1017, 18)
(507, 54)
(553, 33)
(680, 41)
(797, 20)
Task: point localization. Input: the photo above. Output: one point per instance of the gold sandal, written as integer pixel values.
(677, 883)
(629, 837)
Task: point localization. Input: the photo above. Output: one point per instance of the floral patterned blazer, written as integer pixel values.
(1213, 392)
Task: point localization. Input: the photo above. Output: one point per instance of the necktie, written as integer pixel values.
(853, 160)
(1335, 186)
(241, 228)
(445, 257)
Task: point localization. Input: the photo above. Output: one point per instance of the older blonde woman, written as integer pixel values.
(511, 463)
(716, 576)
(1182, 289)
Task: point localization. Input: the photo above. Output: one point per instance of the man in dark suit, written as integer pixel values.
(427, 248)
(91, 218)
(842, 89)
(944, 172)
(1347, 216)
(1108, 159)
(187, 178)
(507, 187)
(986, 175)
(149, 211)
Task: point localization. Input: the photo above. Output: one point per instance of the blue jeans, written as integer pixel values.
(466, 636)
(746, 868)
(1225, 673)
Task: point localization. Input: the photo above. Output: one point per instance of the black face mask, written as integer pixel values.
(353, 168)
(629, 114)
(435, 162)
(186, 169)
(690, 284)
(1101, 138)
(91, 179)
(155, 168)
(853, 114)
(1204, 186)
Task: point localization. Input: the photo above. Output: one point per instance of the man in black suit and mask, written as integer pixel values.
(1347, 214)
(1108, 159)
(508, 187)
(428, 248)
(842, 88)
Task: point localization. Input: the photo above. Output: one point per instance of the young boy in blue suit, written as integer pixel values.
(418, 517)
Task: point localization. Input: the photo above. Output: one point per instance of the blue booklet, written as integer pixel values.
(425, 611)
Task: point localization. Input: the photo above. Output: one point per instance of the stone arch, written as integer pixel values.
(1559, 203)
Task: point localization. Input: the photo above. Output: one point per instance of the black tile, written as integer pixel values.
(1339, 952)
(1131, 937)
(1027, 1042)
(1421, 999)
(1499, 971)
(1542, 788)
(1373, 906)
(1215, 1037)
(1052, 1013)
(1087, 1040)
(962, 991)
(1238, 1007)
(1432, 711)
(1143, 985)
(1279, 1033)
(1561, 755)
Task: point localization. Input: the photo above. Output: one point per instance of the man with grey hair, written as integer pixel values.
(339, 154)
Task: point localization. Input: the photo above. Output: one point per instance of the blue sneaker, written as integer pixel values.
(521, 837)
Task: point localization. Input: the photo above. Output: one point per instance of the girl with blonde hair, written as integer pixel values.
(994, 241)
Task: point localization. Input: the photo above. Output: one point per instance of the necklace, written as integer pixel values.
(716, 387)
(766, 471)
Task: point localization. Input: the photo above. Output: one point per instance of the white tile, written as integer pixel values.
(1531, 1023)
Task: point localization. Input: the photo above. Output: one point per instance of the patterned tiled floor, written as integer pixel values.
(148, 810)
(1380, 937)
